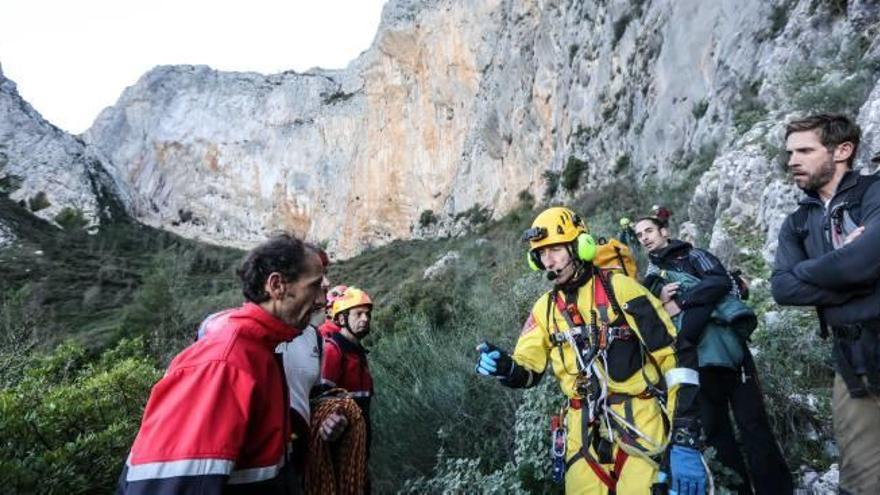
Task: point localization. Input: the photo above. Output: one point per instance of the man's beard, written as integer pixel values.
(822, 177)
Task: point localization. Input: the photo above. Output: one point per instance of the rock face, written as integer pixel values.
(47, 169)
(462, 103)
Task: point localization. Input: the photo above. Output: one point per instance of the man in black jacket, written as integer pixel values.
(728, 378)
(828, 257)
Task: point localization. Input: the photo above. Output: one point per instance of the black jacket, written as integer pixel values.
(681, 256)
(843, 283)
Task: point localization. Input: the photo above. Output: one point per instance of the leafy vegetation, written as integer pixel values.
(749, 109)
(700, 108)
(67, 417)
(841, 85)
(427, 218)
(551, 183)
(571, 174)
(39, 202)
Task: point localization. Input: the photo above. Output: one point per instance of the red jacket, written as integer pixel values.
(328, 328)
(345, 366)
(217, 422)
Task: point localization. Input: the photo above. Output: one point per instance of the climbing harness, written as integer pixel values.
(601, 426)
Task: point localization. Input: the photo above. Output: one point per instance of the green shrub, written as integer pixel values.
(796, 374)
(749, 109)
(700, 108)
(620, 26)
(526, 199)
(68, 424)
(8, 182)
(778, 19)
(475, 215)
(71, 219)
(427, 218)
(551, 183)
(571, 174)
(808, 91)
(622, 163)
(39, 202)
(839, 86)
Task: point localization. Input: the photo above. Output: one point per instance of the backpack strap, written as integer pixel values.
(343, 358)
(853, 196)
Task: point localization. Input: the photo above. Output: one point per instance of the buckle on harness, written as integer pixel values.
(560, 338)
(614, 333)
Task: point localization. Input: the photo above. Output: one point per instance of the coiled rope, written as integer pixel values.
(339, 467)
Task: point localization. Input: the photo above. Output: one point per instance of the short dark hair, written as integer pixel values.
(282, 253)
(833, 130)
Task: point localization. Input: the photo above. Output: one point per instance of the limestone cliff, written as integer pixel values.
(48, 170)
(460, 103)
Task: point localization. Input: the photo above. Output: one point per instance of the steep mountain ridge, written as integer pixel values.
(49, 171)
(460, 106)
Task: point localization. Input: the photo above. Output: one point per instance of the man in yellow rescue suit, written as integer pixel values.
(630, 416)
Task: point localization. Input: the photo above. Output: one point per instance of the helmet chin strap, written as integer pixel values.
(345, 325)
(572, 259)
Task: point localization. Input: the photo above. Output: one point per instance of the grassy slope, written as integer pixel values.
(85, 283)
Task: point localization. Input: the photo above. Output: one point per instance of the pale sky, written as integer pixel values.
(72, 58)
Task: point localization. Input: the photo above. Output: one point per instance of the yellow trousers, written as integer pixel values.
(638, 474)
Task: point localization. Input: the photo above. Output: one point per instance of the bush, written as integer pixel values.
(840, 86)
(551, 183)
(39, 202)
(475, 215)
(749, 109)
(68, 424)
(796, 374)
(778, 19)
(620, 26)
(700, 108)
(8, 182)
(622, 163)
(71, 219)
(427, 218)
(808, 89)
(571, 175)
(423, 368)
(526, 199)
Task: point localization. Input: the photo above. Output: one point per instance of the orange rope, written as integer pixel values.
(340, 467)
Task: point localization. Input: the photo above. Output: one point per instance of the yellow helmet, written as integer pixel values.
(351, 298)
(559, 225)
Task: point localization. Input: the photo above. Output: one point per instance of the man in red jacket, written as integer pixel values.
(345, 359)
(218, 421)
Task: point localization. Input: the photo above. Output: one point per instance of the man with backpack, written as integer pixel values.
(629, 417)
(828, 257)
(700, 295)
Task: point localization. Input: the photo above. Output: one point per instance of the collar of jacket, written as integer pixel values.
(264, 326)
(329, 327)
(675, 249)
(848, 180)
(347, 345)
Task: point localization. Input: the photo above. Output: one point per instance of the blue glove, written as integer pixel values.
(688, 475)
(493, 361)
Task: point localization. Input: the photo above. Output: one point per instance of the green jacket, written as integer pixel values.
(730, 327)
